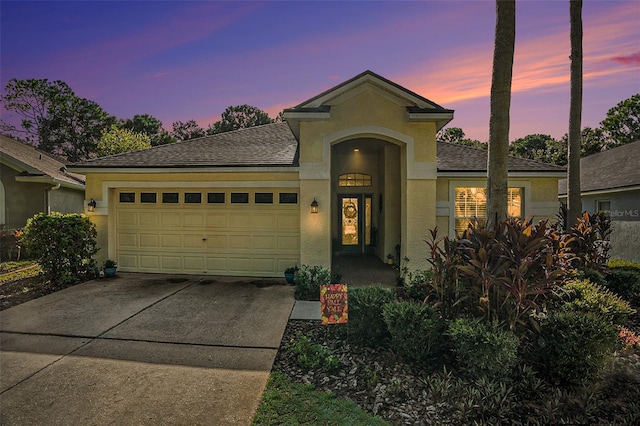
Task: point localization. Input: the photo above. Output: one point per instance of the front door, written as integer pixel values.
(354, 222)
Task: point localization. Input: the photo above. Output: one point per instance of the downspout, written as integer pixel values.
(47, 200)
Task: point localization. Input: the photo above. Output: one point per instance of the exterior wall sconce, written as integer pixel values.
(314, 206)
(92, 205)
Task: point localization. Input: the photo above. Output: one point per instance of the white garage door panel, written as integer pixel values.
(223, 239)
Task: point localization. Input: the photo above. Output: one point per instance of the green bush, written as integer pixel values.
(416, 331)
(623, 264)
(625, 282)
(308, 282)
(312, 355)
(482, 349)
(575, 346)
(366, 323)
(416, 285)
(63, 245)
(585, 296)
(592, 275)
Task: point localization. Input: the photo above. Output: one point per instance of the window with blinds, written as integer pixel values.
(470, 205)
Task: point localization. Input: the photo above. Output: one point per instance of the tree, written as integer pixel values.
(150, 126)
(239, 117)
(622, 124)
(456, 135)
(574, 199)
(53, 118)
(540, 148)
(500, 104)
(117, 140)
(184, 131)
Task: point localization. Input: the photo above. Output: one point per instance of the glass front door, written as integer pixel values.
(355, 222)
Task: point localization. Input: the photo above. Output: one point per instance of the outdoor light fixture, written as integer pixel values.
(356, 149)
(92, 205)
(314, 206)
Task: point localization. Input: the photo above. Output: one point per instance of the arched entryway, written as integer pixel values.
(366, 197)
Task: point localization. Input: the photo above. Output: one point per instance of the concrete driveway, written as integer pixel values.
(142, 349)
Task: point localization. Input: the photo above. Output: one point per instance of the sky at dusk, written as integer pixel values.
(190, 60)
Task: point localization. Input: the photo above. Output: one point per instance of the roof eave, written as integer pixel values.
(51, 181)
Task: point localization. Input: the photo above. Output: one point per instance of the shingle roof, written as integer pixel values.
(461, 158)
(611, 169)
(37, 164)
(266, 145)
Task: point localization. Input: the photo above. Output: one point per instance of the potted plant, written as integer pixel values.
(290, 274)
(389, 259)
(109, 268)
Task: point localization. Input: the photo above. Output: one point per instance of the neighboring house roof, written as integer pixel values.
(37, 166)
(461, 158)
(613, 169)
(266, 145)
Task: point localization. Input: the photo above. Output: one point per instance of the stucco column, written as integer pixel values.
(315, 228)
(420, 218)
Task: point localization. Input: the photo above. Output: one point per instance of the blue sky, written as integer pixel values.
(190, 60)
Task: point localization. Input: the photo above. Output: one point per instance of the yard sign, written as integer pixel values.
(333, 304)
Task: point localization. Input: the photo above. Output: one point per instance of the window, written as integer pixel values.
(264, 198)
(239, 197)
(192, 198)
(148, 197)
(215, 198)
(354, 179)
(170, 197)
(471, 204)
(127, 197)
(288, 198)
(603, 206)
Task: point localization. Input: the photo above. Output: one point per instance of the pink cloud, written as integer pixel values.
(632, 60)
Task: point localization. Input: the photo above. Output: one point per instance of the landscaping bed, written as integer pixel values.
(410, 394)
(21, 282)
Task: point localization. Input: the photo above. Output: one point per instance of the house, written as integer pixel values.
(353, 170)
(610, 182)
(32, 182)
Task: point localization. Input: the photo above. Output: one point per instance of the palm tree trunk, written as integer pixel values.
(497, 172)
(574, 202)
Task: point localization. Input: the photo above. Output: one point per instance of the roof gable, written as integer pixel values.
(36, 165)
(355, 84)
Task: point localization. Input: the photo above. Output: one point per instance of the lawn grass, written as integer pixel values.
(13, 271)
(286, 403)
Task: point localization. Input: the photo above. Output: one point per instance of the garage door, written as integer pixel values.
(218, 232)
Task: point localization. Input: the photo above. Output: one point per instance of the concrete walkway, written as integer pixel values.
(142, 349)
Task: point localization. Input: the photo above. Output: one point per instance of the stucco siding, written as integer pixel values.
(22, 199)
(315, 228)
(625, 221)
(65, 200)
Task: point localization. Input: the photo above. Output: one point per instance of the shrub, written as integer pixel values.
(623, 264)
(308, 281)
(416, 331)
(63, 245)
(575, 346)
(312, 355)
(592, 275)
(415, 285)
(511, 267)
(482, 349)
(585, 296)
(589, 238)
(366, 323)
(625, 282)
